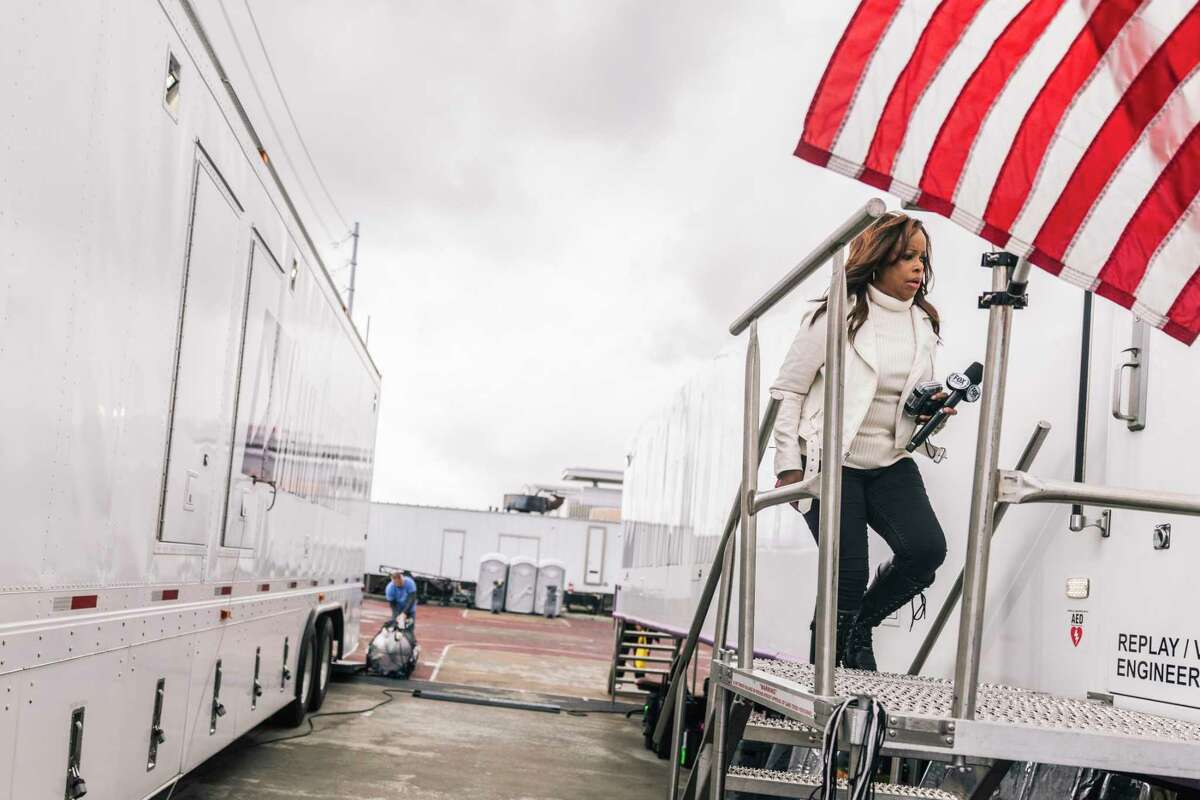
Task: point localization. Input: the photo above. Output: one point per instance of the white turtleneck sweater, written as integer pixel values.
(895, 345)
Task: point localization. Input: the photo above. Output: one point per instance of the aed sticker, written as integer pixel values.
(1075, 621)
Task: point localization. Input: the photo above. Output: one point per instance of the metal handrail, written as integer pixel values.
(830, 537)
(856, 224)
(1020, 487)
(983, 499)
(788, 494)
(1032, 447)
(749, 522)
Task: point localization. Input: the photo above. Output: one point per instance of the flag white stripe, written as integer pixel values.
(1172, 266)
(894, 51)
(1000, 129)
(935, 105)
(1131, 183)
(1130, 51)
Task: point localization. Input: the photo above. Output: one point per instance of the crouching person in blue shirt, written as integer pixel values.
(402, 597)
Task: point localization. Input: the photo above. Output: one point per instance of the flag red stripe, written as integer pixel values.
(954, 141)
(1043, 117)
(1183, 320)
(1120, 132)
(835, 92)
(945, 28)
(1154, 219)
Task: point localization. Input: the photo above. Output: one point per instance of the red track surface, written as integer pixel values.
(440, 629)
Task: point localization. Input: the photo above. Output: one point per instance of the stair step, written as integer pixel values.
(781, 730)
(801, 784)
(643, 670)
(668, 647)
(645, 659)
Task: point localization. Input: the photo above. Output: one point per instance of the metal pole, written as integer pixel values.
(749, 521)
(1077, 522)
(716, 784)
(722, 566)
(983, 500)
(677, 737)
(943, 616)
(856, 224)
(831, 481)
(353, 272)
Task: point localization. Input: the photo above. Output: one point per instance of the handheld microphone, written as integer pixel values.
(963, 385)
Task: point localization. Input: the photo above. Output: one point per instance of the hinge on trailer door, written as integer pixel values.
(218, 709)
(76, 787)
(157, 734)
(256, 689)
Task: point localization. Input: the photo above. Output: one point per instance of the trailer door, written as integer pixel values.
(251, 481)
(593, 571)
(453, 543)
(200, 416)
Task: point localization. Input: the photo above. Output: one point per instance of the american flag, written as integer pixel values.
(1064, 130)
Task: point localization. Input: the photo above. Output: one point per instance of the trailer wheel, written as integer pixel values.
(295, 712)
(322, 664)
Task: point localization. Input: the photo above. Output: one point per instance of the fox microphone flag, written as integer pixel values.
(1068, 132)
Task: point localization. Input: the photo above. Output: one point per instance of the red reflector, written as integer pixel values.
(225, 590)
(266, 587)
(170, 594)
(293, 585)
(83, 601)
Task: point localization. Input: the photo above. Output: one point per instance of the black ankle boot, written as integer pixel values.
(845, 623)
(890, 590)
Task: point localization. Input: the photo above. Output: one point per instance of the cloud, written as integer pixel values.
(563, 206)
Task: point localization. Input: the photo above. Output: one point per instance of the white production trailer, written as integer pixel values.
(449, 543)
(1068, 612)
(189, 413)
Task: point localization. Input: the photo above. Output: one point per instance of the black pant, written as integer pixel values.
(893, 502)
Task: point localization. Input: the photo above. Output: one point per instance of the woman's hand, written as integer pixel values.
(939, 397)
(789, 476)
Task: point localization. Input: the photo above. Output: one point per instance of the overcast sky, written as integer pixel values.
(563, 206)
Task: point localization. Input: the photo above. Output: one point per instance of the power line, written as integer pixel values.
(271, 122)
(287, 107)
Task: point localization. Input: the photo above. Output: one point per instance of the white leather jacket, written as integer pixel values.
(800, 389)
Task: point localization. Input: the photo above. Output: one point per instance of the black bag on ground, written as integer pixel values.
(394, 651)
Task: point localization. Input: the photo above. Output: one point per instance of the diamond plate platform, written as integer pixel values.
(801, 784)
(1011, 723)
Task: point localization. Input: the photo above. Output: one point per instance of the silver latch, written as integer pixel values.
(218, 708)
(256, 686)
(1162, 536)
(76, 787)
(1102, 523)
(157, 734)
(287, 672)
(1138, 363)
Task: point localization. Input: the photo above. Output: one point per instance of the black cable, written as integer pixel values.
(312, 729)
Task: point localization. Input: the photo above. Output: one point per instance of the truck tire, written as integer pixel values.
(322, 663)
(295, 712)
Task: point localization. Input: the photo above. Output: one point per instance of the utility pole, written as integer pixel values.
(353, 269)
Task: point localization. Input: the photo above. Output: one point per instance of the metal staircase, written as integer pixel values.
(970, 725)
(638, 653)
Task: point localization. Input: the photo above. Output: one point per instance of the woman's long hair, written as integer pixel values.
(877, 248)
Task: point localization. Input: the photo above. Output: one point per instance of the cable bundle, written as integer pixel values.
(859, 782)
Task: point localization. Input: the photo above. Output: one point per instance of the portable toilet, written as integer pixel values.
(522, 581)
(492, 567)
(551, 574)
